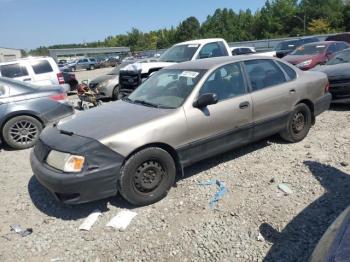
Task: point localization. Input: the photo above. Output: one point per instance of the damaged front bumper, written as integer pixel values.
(97, 180)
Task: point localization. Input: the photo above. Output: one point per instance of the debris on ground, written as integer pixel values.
(122, 220)
(90, 220)
(219, 194)
(20, 231)
(344, 164)
(260, 237)
(285, 188)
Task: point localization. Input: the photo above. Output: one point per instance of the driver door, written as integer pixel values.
(220, 127)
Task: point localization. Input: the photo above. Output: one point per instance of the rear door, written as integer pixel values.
(43, 72)
(274, 95)
(219, 127)
(4, 99)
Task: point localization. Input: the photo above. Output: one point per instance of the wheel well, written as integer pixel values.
(166, 147)
(19, 114)
(311, 106)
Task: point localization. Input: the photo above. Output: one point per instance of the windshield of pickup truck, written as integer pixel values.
(179, 53)
(166, 89)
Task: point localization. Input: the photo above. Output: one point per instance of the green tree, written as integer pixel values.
(319, 26)
(188, 29)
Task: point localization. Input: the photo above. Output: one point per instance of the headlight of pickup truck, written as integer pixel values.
(305, 63)
(65, 162)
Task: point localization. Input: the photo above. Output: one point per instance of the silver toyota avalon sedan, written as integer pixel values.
(182, 114)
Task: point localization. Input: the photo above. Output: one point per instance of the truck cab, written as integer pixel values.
(131, 76)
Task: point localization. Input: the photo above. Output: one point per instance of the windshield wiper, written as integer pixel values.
(145, 103)
(127, 99)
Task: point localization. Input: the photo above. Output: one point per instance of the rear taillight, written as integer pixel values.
(61, 97)
(326, 89)
(60, 78)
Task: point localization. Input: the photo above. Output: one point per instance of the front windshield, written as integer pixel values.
(310, 50)
(179, 53)
(167, 88)
(340, 58)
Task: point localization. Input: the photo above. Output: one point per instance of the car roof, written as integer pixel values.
(201, 41)
(209, 63)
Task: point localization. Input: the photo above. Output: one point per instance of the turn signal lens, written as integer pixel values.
(74, 164)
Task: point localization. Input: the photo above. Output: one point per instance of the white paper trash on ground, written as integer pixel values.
(285, 189)
(90, 220)
(122, 219)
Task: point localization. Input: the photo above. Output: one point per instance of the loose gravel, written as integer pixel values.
(255, 221)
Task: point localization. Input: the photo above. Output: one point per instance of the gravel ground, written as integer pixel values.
(254, 221)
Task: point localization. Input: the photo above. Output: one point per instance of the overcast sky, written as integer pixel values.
(28, 24)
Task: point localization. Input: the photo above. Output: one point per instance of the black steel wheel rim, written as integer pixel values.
(148, 176)
(24, 132)
(299, 122)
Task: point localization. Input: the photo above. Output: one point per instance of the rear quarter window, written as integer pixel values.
(288, 70)
(13, 70)
(42, 67)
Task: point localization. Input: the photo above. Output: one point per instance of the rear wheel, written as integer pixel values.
(147, 176)
(299, 124)
(21, 132)
(115, 93)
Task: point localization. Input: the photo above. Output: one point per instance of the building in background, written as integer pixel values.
(9, 54)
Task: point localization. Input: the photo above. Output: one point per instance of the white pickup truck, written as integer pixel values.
(131, 76)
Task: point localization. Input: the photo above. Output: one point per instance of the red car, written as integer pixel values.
(310, 55)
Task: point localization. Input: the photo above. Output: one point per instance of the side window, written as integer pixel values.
(289, 71)
(211, 50)
(264, 73)
(226, 82)
(85, 61)
(80, 61)
(332, 49)
(42, 67)
(13, 70)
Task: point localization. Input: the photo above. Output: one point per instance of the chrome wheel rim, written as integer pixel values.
(24, 132)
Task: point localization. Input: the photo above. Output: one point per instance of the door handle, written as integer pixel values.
(292, 91)
(27, 79)
(244, 105)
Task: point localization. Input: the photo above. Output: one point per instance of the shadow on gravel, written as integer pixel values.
(298, 239)
(45, 202)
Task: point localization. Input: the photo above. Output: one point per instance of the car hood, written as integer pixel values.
(297, 59)
(146, 67)
(110, 119)
(103, 78)
(338, 70)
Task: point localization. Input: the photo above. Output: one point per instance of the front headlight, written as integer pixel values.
(103, 83)
(305, 63)
(65, 162)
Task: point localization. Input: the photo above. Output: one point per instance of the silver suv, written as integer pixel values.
(182, 114)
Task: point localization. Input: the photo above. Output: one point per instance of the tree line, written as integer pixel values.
(276, 18)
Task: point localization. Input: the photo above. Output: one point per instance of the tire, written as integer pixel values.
(147, 176)
(115, 93)
(299, 124)
(21, 132)
(92, 67)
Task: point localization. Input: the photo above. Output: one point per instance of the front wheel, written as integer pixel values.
(21, 132)
(147, 176)
(115, 93)
(299, 124)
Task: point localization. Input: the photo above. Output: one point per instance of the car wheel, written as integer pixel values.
(115, 93)
(92, 67)
(147, 176)
(299, 124)
(21, 132)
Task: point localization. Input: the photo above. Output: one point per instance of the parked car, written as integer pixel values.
(25, 109)
(108, 85)
(338, 72)
(345, 37)
(83, 63)
(132, 76)
(110, 62)
(310, 55)
(242, 50)
(286, 47)
(42, 71)
(180, 115)
(334, 244)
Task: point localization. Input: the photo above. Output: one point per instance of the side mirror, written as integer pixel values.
(205, 100)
